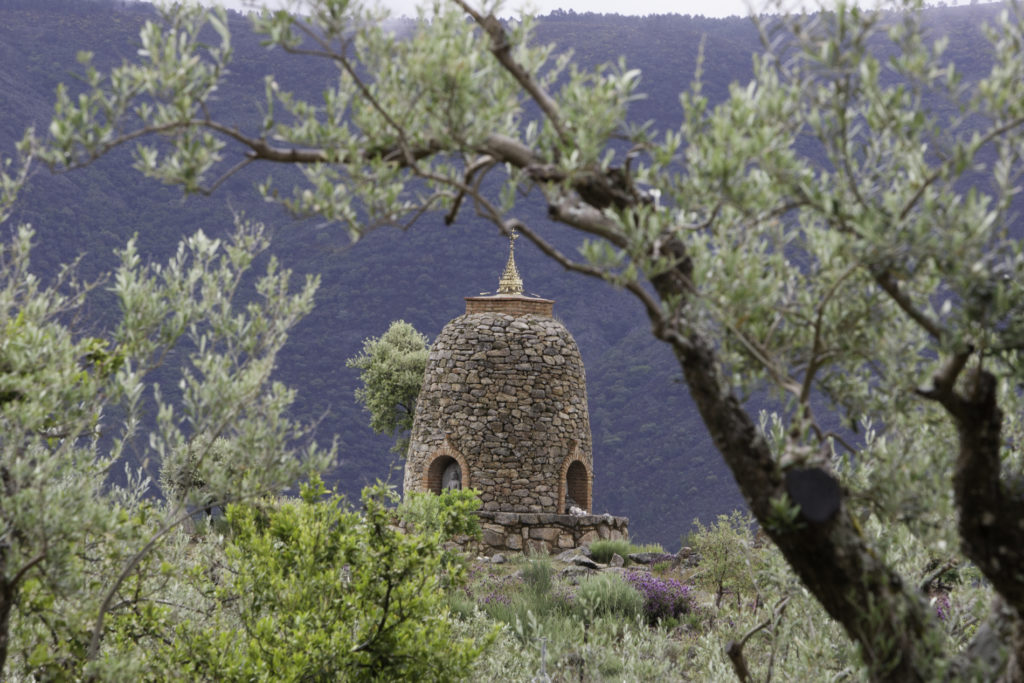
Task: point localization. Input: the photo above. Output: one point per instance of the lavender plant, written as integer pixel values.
(663, 598)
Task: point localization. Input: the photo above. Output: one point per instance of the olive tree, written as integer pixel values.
(838, 231)
(76, 548)
(725, 549)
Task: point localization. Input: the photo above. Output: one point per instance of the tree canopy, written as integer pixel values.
(78, 550)
(840, 232)
(391, 369)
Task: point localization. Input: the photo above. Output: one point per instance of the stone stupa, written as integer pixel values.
(503, 410)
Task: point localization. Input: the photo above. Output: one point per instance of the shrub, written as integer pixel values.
(314, 591)
(537, 574)
(725, 548)
(602, 551)
(663, 598)
(661, 567)
(447, 515)
(607, 595)
(530, 595)
(648, 548)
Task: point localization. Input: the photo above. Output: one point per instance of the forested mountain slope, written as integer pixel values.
(653, 459)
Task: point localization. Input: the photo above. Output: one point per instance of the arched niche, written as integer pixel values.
(574, 486)
(446, 468)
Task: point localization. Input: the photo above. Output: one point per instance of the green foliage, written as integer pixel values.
(78, 549)
(526, 600)
(537, 572)
(391, 369)
(602, 551)
(445, 515)
(660, 568)
(726, 549)
(607, 595)
(181, 472)
(313, 591)
(648, 548)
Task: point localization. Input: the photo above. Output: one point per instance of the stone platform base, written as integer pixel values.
(546, 533)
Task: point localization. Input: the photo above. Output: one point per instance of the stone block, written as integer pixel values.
(513, 542)
(588, 537)
(548, 534)
(582, 561)
(495, 539)
(565, 541)
(538, 546)
(506, 518)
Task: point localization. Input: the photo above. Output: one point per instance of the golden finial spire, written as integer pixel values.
(510, 282)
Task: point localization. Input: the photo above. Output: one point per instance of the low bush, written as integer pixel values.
(537, 573)
(529, 596)
(663, 598)
(648, 548)
(602, 551)
(660, 568)
(607, 595)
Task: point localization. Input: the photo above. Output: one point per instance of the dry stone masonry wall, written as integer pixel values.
(546, 533)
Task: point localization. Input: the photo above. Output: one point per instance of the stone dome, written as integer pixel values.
(503, 410)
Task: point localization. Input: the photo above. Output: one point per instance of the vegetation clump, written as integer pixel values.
(663, 598)
(608, 595)
(391, 369)
(602, 551)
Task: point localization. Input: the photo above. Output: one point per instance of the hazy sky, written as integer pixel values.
(708, 8)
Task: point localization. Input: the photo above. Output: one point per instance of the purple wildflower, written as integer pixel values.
(663, 598)
(942, 606)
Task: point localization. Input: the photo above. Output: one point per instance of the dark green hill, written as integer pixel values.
(653, 459)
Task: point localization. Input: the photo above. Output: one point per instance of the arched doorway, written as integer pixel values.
(577, 487)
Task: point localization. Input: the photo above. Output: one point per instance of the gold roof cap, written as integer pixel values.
(510, 282)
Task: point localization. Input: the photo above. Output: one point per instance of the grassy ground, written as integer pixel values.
(551, 618)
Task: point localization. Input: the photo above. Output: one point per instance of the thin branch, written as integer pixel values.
(586, 218)
(891, 287)
(735, 650)
(929, 578)
(815, 360)
(648, 301)
(944, 381)
(232, 171)
(763, 356)
(16, 579)
(824, 436)
(364, 89)
(501, 49)
(482, 164)
(981, 142)
(97, 629)
(514, 152)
